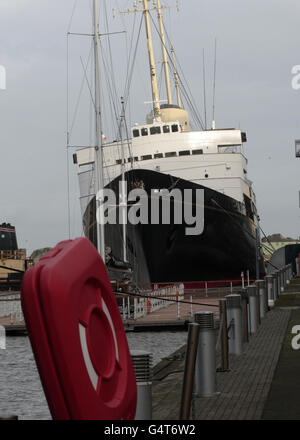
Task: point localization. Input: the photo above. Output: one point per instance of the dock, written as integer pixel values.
(13, 327)
(175, 316)
(262, 384)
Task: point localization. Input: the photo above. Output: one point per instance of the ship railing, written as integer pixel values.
(10, 307)
(143, 301)
(204, 288)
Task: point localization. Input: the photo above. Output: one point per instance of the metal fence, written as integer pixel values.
(10, 306)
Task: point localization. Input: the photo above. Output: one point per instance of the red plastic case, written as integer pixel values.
(77, 335)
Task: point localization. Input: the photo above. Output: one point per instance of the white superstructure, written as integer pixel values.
(212, 158)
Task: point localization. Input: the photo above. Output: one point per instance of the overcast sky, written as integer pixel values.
(258, 43)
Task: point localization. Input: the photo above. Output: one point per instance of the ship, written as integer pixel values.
(13, 260)
(162, 155)
(8, 239)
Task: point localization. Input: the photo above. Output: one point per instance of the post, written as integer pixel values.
(205, 371)
(234, 318)
(270, 290)
(189, 371)
(288, 274)
(142, 364)
(253, 308)
(257, 253)
(261, 295)
(244, 301)
(291, 271)
(128, 307)
(224, 335)
(123, 309)
(278, 283)
(282, 285)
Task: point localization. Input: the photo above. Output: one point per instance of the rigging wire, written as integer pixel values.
(67, 145)
(214, 82)
(204, 90)
(186, 91)
(67, 120)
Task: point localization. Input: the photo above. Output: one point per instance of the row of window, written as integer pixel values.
(174, 128)
(161, 155)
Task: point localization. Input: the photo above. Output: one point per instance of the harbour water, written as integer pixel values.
(21, 391)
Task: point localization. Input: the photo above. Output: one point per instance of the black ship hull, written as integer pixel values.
(8, 238)
(165, 253)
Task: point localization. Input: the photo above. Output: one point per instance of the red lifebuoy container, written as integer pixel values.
(77, 335)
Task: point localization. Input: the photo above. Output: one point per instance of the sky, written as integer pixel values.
(258, 44)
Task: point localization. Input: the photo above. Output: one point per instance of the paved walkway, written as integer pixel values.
(263, 383)
(244, 389)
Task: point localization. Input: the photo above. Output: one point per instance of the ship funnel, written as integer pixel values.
(172, 113)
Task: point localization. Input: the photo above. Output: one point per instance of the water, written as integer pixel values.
(21, 391)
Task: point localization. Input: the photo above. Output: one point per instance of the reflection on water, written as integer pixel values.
(21, 391)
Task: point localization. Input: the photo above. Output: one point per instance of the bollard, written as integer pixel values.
(205, 370)
(234, 318)
(270, 289)
(266, 296)
(285, 275)
(224, 336)
(244, 302)
(291, 271)
(253, 308)
(142, 364)
(275, 287)
(278, 285)
(189, 371)
(282, 280)
(261, 295)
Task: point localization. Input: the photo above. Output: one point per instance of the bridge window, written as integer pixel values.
(119, 161)
(136, 133)
(184, 153)
(175, 128)
(133, 159)
(158, 156)
(144, 131)
(197, 151)
(155, 130)
(166, 128)
(171, 154)
(146, 157)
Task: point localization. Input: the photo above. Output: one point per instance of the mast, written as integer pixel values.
(155, 94)
(123, 192)
(176, 78)
(164, 52)
(99, 178)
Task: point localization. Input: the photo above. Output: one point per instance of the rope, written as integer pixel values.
(230, 324)
(167, 299)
